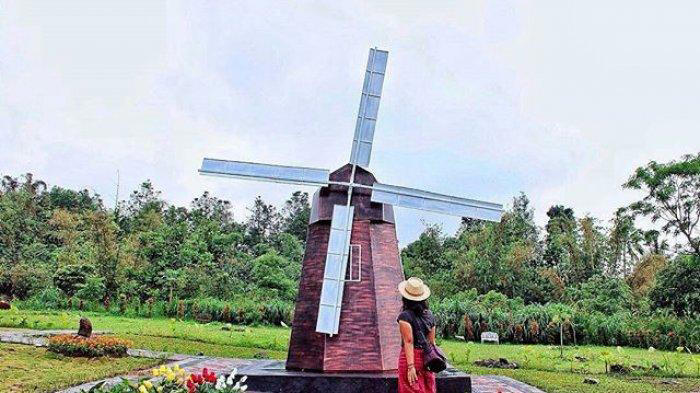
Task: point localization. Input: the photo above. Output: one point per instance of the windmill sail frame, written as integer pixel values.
(339, 249)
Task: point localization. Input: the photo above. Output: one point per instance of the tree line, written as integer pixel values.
(59, 245)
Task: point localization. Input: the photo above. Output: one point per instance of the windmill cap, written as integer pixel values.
(414, 289)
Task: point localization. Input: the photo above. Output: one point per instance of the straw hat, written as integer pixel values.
(414, 289)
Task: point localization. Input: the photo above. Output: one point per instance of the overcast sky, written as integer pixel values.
(483, 99)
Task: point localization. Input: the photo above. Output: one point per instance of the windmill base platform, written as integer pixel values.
(267, 376)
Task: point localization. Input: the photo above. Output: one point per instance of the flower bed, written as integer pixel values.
(95, 346)
(175, 380)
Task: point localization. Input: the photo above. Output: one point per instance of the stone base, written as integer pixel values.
(272, 377)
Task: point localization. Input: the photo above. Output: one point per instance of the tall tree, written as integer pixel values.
(593, 249)
(33, 187)
(144, 209)
(207, 207)
(654, 243)
(263, 222)
(626, 242)
(295, 215)
(9, 184)
(561, 243)
(672, 197)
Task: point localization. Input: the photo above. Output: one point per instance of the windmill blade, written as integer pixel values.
(369, 106)
(335, 270)
(265, 172)
(431, 201)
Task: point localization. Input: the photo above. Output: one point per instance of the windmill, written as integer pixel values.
(351, 197)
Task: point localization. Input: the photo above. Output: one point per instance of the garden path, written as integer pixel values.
(191, 363)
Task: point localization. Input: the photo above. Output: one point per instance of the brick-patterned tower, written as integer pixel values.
(368, 338)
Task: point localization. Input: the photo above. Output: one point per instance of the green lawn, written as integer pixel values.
(541, 365)
(24, 368)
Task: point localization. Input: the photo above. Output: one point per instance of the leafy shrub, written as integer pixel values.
(677, 286)
(95, 346)
(93, 289)
(48, 298)
(27, 280)
(607, 295)
(70, 278)
(276, 274)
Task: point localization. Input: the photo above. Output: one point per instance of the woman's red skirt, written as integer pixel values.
(426, 379)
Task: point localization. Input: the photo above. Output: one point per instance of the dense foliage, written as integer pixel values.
(61, 244)
(610, 283)
(679, 286)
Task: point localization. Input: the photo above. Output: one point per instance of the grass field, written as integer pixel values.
(24, 368)
(541, 365)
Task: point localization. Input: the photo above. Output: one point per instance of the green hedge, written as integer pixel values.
(242, 311)
(536, 324)
(465, 315)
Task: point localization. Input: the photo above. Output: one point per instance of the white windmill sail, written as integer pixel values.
(432, 201)
(369, 106)
(265, 172)
(335, 270)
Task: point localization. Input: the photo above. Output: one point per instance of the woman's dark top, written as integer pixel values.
(419, 323)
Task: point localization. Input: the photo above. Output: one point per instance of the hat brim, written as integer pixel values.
(402, 291)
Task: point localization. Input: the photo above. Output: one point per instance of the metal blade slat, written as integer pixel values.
(265, 172)
(369, 106)
(431, 201)
(335, 270)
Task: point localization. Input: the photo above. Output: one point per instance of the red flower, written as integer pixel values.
(208, 376)
(196, 378)
(191, 388)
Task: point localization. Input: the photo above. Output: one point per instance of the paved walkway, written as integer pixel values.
(191, 363)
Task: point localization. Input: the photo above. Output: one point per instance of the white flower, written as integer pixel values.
(244, 388)
(220, 383)
(231, 377)
(237, 386)
(244, 378)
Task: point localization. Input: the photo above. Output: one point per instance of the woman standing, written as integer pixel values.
(417, 327)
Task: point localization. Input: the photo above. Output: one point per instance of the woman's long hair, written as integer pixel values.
(418, 307)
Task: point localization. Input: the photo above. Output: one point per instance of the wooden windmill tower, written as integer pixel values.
(345, 314)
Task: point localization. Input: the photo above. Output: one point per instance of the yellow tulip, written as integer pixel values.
(159, 389)
(170, 376)
(143, 389)
(148, 384)
(155, 372)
